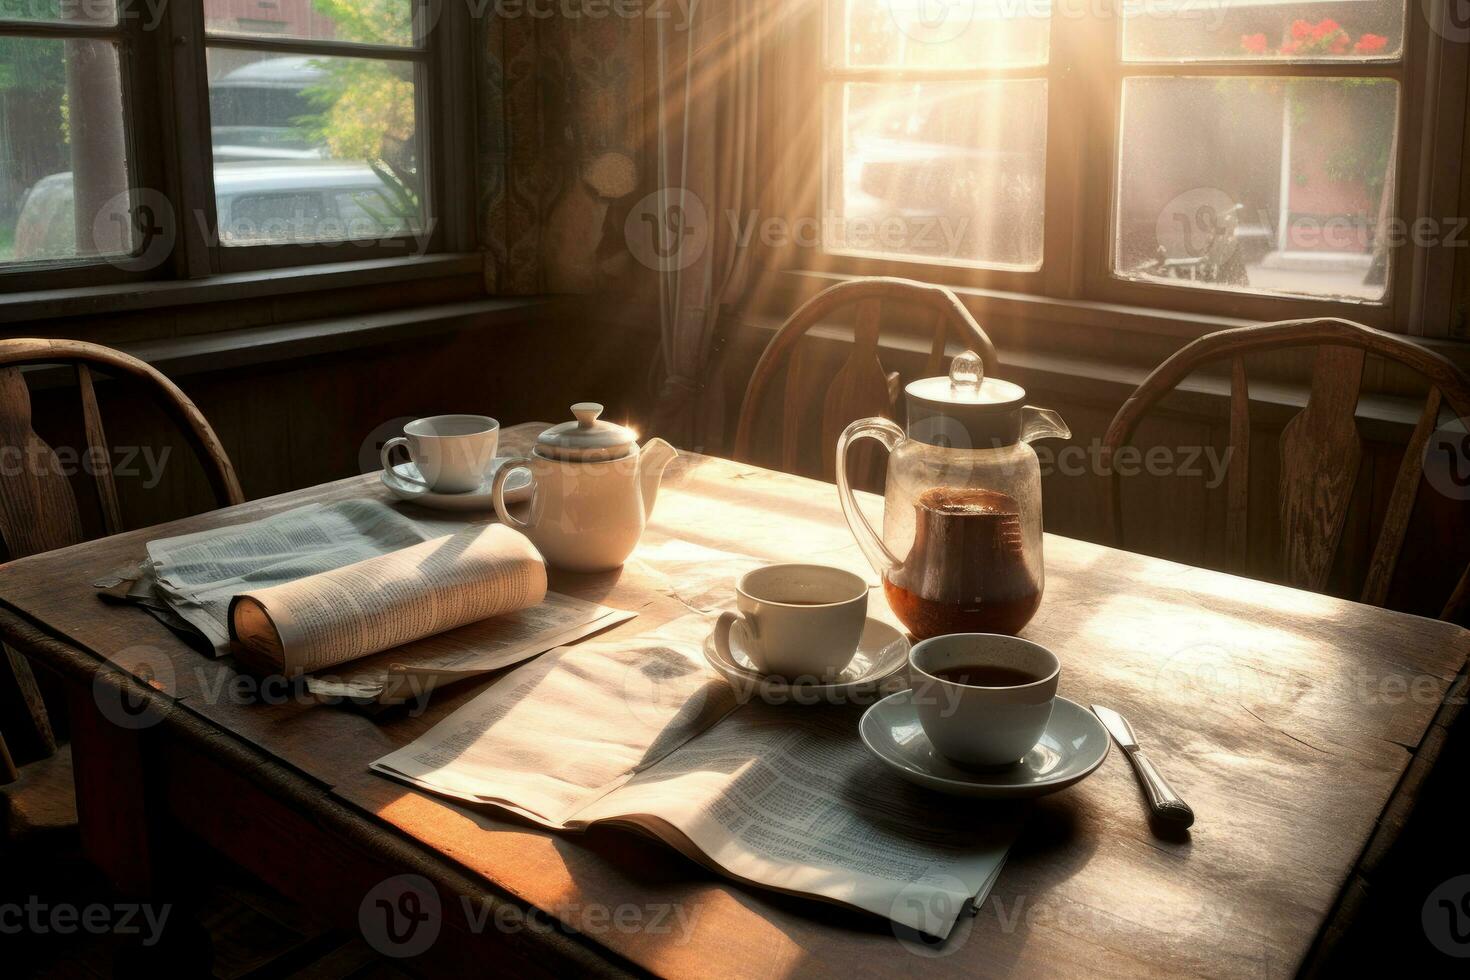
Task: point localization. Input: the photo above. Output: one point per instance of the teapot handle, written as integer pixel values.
(497, 494)
(890, 435)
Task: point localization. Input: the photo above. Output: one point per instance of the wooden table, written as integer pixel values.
(1297, 725)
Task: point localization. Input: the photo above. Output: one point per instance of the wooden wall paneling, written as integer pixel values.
(1349, 558)
(1438, 551)
(1264, 533)
(1217, 446)
(794, 421)
(303, 421)
(1237, 487)
(156, 475)
(1400, 505)
(1072, 501)
(860, 389)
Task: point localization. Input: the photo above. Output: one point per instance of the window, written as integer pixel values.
(1276, 182)
(1237, 157)
(928, 157)
(65, 163)
(210, 136)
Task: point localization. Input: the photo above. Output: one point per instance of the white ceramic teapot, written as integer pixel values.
(594, 490)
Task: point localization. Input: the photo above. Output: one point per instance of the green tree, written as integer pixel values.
(367, 104)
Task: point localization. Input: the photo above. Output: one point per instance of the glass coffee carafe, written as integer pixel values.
(961, 544)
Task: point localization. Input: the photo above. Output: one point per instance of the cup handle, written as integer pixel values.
(723, 626)
(387, 451)
(728, 622)
(497, 494)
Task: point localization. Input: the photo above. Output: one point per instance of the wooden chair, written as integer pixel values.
(862, 386)
(38, 506)
(1320, 447)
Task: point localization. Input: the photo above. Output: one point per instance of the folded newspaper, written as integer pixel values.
(371, 603)
(640, 732)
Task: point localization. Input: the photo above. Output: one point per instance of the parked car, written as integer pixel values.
(915, 161)
(254, 110)
(256, 202)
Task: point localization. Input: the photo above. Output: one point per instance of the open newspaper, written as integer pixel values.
(376, 605)
(640, 732)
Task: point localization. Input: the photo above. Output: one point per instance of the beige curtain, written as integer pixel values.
(706, 124)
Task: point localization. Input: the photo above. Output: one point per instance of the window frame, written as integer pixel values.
(1077, 250)
(171, 150)
(135, 47)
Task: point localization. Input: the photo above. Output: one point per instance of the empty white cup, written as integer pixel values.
(452, 452)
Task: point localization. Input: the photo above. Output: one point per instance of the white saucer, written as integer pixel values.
(517, 488)
(1074, 744)
(874, 670)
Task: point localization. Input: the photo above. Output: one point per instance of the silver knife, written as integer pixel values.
(1162, 800)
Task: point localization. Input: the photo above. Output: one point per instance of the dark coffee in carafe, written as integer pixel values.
(967, 571)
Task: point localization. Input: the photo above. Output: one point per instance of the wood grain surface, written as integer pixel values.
(1285, 718)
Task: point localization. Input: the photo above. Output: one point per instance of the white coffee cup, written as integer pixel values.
(452, 452)
(977, 725)
(797, 621)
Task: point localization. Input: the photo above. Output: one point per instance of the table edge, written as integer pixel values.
(78, 664)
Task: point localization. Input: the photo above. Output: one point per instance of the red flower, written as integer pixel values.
(1325, 27)
(1370, 44)
(1300, 29)
(1340, 44)
(1289, 47)
(1256, 43)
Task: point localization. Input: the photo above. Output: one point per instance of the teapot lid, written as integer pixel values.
(586, 437)
(965, 410)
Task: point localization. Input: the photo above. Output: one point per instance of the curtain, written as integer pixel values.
(559, 131)
(705, 73)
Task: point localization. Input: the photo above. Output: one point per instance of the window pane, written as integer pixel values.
(363, 21)
(1314, 30)
(938, 33)
(95, 13)
(63, 151)
(310, 149)
(946, 172)
(1275, 185)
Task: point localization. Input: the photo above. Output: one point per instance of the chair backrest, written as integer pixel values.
(1320, 447)
(38, 505)
(862, 386)
(38, 508)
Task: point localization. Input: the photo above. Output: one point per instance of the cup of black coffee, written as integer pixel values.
(983, 699)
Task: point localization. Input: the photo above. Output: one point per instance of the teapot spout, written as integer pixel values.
(1042, 423)
(653, 458)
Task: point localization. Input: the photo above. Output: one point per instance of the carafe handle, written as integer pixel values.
(890, 435)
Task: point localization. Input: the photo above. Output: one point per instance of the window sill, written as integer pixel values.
(1027, 309)
(233, 350)
(48, 304)
(1107, 384)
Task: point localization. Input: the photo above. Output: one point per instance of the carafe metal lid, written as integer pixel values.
(966, 388)
(965, 410)
(586, 437)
